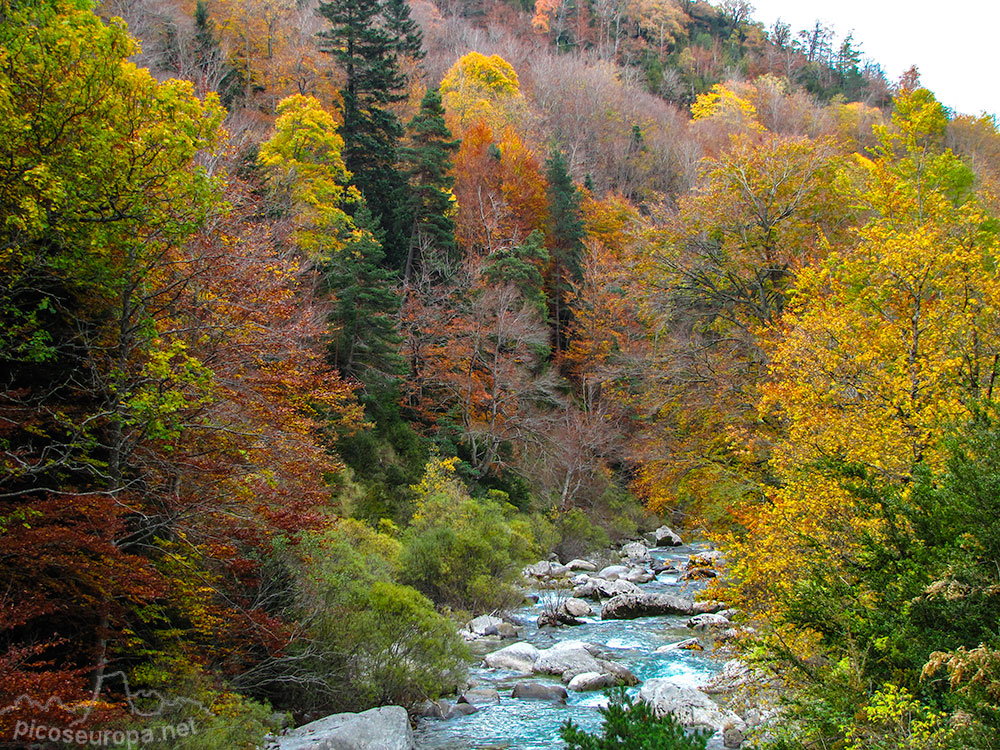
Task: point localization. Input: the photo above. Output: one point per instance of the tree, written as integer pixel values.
(427, 162)
(564, 235)
(307, 171)
(479, 88)
(364, 336)
(367, 46)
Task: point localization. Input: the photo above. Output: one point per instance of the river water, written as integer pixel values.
(534, 725)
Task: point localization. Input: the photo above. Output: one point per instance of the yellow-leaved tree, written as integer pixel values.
(484, 88)
(886, 345)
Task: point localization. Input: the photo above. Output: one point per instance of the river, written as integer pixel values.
(534, 725)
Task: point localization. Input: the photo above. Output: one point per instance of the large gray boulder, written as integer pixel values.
(597, 588)
(635, 552)
(665, 537)
(579, 564)
(538, 691)
(484, 625)
(631, 606)
(576, 607)
(707, 621)
(611, 572)
(517, 657)
(480, 696)
(690, 706)
(385, 728)
(592, 681)
(622, 674)
(563, 661)
(545, 569)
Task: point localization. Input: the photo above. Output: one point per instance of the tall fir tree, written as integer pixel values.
(430, 203)
(365, 341)
(368, 38)
(564, 237)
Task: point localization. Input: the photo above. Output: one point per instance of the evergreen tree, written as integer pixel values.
(427, 162)
(365, 342)
(367, 38)
(564, 235)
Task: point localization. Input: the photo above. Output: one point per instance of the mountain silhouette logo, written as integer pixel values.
(144, 703)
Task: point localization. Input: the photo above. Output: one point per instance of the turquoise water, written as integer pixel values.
(534, 725)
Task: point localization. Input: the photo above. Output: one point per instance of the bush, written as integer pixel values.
(371, 641)
(464, 552)
(629, 726)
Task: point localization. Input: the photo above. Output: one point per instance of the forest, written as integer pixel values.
(322, 318)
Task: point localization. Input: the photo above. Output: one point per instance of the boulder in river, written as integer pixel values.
(635, 552)
(555, 618)
(484, 625)
(622, 674)
(539, 691)
(385, 728)
(690, 706)
(592, 681)
(585, 565)
(612, 572)
(631, 606)
(545, 569)
(480, 696)
(576, 607)
(707, 621)
(560, 661)
(638, 574)
(597, 588)
(459, 709)
(665, 537)
(517, 657)
(691, 644)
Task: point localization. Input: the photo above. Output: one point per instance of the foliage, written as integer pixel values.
(483, 88)
(370, 641)
(464, 552)
(633, 726)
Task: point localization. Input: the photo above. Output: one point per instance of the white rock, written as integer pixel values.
(385, 728)
(517, 657)
(592, 681)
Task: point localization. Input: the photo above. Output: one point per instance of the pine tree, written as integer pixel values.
(367, 38)
(427, 162)
(365, 342)
(564, 235)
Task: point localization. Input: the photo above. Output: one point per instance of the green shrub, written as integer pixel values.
(371, 641)
(629, 726)
(464, 552)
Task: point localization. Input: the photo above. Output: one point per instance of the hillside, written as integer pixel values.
(322, 319)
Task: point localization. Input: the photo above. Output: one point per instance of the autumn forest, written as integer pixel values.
(322, 318)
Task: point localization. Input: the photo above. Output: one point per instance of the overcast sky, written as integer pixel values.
(954, 44)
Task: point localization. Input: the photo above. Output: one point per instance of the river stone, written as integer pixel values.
(592, 681)
(712, 606)
(691, 644)
(460, 709)
(663, 566)
(707, 621)
(554, 619)
(639, 574)
(635, 552)
(384, 728)
(706, 559)
(432, 709)
(612, 572)
(506, 630)
(698, 574)
(484, 625)
(601, 589)
(517, 657)
(690, 707)
(539, 691)
(631, 606)
(577, 607)
(581, 565)
(622, 674)
(665, 537)
(480, 696)
(560, 661)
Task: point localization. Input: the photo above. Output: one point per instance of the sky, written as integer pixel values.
(953, 44)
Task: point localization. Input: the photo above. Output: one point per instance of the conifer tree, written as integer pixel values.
(365, 341)
(564, 235)
(367, 38)
(427, 162)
